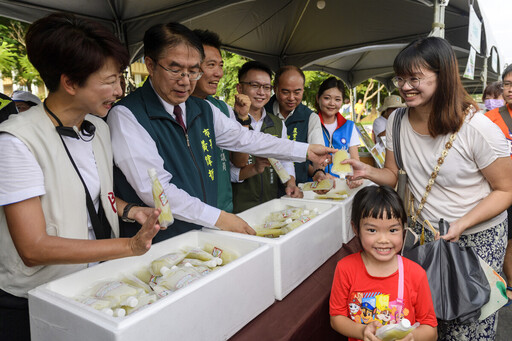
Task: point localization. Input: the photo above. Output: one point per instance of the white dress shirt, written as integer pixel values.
(315, 135)
(135, 152)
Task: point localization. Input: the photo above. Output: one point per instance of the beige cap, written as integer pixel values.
(25, 96)
(392, 101)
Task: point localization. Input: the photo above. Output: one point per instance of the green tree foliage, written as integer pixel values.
(7, 57)
(313, 81)
(13, 33)
(227, 85)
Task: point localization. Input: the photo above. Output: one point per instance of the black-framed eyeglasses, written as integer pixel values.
(257, 86)
(178, 74)
(414, 82)
(506, 85)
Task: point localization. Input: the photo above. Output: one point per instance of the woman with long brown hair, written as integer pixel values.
(473, 187)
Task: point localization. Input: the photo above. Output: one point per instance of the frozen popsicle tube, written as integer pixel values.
(102, 305)
(119, 293)
(165, 219)
(322, 185)
(144, 300)
(168, 260)
(197, 253)
(179, 278)
(332, 196)
(278, 167)
(269, 233)
(196, 262)
(226, 255)
(290, 212)
(392, 332)
(337, 167)
(135, 282)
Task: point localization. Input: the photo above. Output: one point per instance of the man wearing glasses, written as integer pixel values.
(257, 181)
(161, 126)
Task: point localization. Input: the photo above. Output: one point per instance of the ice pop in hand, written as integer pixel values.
(278, 167)
(165, 219)
(339, 168)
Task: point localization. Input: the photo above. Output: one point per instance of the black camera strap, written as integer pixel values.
(99, 221)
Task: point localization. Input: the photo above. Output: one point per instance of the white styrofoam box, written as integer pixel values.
(214, 307)
(346, 205)
(300, 252)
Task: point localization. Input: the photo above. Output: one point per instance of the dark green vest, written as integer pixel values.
(262, 187)
(297, 128)
(224, 192)
(193, 167)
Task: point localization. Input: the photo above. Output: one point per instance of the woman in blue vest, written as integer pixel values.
(338, 132)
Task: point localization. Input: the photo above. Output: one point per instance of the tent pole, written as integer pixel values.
(484, 74)
(438, 24)
(353, 103)
(378, 94)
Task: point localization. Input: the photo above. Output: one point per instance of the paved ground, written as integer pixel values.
(505, 324)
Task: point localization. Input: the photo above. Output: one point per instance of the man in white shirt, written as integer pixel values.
(301, 123)
(160, 126)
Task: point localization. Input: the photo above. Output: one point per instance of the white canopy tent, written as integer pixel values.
(279, 32)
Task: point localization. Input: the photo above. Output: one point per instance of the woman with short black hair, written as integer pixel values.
(56, 189)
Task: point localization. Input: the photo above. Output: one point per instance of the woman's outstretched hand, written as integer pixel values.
(141, 242)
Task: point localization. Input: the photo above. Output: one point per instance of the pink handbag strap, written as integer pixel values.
(400, 297)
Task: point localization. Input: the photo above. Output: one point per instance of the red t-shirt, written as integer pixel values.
(365, 298)
(495, 116)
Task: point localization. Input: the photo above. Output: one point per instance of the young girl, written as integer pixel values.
(366, 287)
(338, 132)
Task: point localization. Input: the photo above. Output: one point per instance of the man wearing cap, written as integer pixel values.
(24, 100)
(379, 125)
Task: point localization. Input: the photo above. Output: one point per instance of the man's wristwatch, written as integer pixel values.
(245, 122)
(124, 217)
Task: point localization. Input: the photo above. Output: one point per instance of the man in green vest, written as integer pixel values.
(257, 181)
(301, 123)
(161, 126)
(207, 87)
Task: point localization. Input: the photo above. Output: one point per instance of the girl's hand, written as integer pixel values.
(370, 330)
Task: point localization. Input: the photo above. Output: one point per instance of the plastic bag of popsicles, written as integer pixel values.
(162, 277)
(281, 222)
